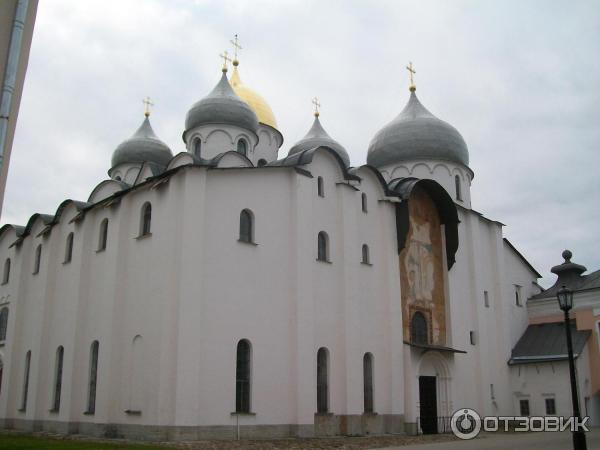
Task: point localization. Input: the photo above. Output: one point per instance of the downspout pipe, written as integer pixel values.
(10, 74)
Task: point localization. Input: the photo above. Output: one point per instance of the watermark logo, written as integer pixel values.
(467, 423)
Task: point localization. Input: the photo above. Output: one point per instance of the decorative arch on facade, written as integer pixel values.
(213, 133)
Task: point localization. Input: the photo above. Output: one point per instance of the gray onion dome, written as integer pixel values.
(222, 106)
(143, 146)
(417, 134)
(318, 137)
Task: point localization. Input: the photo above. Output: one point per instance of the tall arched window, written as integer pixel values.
(93, 378)
(262, 162)
(146, 219)
(197, 147)
(3, 323)
(363, 198)
(25, 382)
(366, 258)
(103, 237)
(246, 226)
(322, 380)
(418, 329)
(69, 248)
(242, 377)
(58, 378)
(320, 188)
(38, 259)
(322, 246)
(457, 186)
(242, 147)
(368, 382)
(6, 273)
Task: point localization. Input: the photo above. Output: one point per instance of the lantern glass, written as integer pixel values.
(565, 298)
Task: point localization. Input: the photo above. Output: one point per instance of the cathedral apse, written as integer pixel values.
(422, 273)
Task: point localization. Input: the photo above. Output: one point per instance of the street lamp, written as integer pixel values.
(565, 301)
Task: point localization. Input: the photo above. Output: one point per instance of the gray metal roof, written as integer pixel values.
(223, 106)
(417, 134)
(546, 342)
(143, 146)
(318, 137)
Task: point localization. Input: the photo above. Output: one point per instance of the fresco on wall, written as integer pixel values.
(422, 268)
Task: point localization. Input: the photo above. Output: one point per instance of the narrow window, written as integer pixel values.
(242, 377)
(6, 273)
(368, 382)
(472, 337)
(518, 301)
(486, 299)
(366, 259)
(146, 219)
(262, 162)
(320, 189)
(246, 226)
(25, 381)
(3, 323)
(103, 237)
(322, 381)
(364, 202)
(93, 378)
(524, 407)
(69, 248)
(58, 379)
(457, 185)
(492, 392)
(418, 331)
(323, 247)
(242, 147)
(550, 407)
(197, 147)
(38, 259)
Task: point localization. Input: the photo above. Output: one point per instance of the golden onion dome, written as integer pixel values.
(258, 104)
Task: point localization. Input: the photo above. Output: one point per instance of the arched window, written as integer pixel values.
(25, 381)
(118, 178)
(322, 246)
(242, 147)
(364, 202)
(197, 147)
(322, 380)
(262, 162)
(69, 248)
(246, 226)
(93, 378)
(146, 219)
(457, 186)
(366, 259)
(103, 237)
(58, 378)
(6, 273)
(320, 189)
(242, 377)
(368, 382)
(418, 329)
(3, 323)
(38, 259)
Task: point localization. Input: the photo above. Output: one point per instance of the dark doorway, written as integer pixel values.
(428, 401)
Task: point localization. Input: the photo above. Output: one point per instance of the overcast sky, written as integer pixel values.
(519, 79)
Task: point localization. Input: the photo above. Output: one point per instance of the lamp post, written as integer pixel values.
(565, 301)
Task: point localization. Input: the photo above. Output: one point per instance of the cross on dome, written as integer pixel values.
(147, 105)
(411, 71)
(226, 59)
(236, 47)
(315, 101)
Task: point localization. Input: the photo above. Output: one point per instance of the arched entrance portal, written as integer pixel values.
(434, 392)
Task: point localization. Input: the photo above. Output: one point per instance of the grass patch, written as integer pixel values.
(28, 442)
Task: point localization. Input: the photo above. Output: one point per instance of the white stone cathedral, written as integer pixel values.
(231, 290)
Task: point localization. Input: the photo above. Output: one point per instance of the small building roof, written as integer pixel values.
(547, 342)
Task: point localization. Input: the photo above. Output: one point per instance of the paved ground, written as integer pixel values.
(513, 441)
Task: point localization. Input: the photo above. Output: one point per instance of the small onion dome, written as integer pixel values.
(259, 105)
(222, 106)
(143, 146)
(416, 134)
(318, 137)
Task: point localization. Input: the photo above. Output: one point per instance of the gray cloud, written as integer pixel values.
(520, 80)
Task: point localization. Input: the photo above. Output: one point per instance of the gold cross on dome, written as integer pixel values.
(412, 71)
(226, 59)
(315, 101)
(147, 104)
(236, 47)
